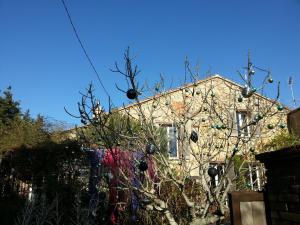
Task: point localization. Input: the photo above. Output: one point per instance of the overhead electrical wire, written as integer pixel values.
(83, 48)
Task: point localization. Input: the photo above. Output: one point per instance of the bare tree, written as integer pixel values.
(205, 126)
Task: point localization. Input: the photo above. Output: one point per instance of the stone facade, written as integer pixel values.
(207, 102)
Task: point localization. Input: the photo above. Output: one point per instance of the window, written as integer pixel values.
(241, 120)
(172, 143)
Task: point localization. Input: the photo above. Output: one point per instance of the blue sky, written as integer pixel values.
(42, 61)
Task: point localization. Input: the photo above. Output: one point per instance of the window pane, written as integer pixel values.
(172, 136)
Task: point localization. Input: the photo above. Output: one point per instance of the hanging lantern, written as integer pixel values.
(194, 136)
(212, 171)
(150, 149)
(270, 126)
(143, 166)
(258, 117)
(131, 94)
(280, 107)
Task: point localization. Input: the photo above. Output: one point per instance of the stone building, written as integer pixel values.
(221, 115)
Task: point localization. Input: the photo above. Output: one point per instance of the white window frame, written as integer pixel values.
(168, 132)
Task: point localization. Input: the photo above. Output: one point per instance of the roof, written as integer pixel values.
(282, 154)
(215, 76)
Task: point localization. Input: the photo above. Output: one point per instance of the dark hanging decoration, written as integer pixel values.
(280, 107)
(212, 171)
(282, 126)
(205, 108)
(240, 99)
(270, 80)
(131, 94)
(258, 117)
(252, 150)
(150, 149)
(143, 166)
(235, 149)
(194, 136)
(197, 92)
(253, 90)
(223, 126)
(218, 127)
(83, 121)
(212, 94)
(270, 126)
(203, 120)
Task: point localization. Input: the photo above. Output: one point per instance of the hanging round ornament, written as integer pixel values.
(212, 171)
(194, 136)
(240, 99)
(280, 107)
(235, 149)
(270, 80)
(270, 126)
(150, 149)
(131, 93)
(282, 126)
(143, 166)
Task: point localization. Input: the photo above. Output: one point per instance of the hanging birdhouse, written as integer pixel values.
(150, 149)
(143, 166)
(194, 136)
(131, 94)
(212, 172)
